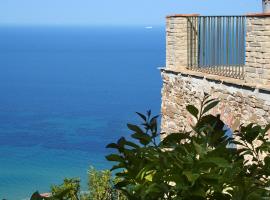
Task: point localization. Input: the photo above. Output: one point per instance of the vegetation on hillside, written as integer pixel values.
(100, 187)
(196, 165)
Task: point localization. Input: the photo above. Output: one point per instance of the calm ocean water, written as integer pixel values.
(66, 93)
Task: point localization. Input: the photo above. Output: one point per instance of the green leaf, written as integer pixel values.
(112, 146)
(142, 137)
(154, 118)
(193, 110)
(119, 166)
(252, 133)
(121, 184)
(267, 128)
(221, 162)
(153, 127)
(210, 106)
(199, 149)
(149, 176)
(206, 95)
(142, 116)
(192, 177)
(134, 128)
(114, 157)
(131, 144)
(173, 139)
(209, 101)
(121, 142)
(217, 137)
(149, 113)
(198, 192)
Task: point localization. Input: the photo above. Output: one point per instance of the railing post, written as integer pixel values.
(177, 42)
(257, 69)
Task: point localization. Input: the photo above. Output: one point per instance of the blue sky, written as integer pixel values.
(114, 12)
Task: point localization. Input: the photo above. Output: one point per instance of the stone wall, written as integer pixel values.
(238, 104)
(257, 49)
(176, 42)
(241, 101)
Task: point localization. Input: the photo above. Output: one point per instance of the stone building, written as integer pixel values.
(227, 57)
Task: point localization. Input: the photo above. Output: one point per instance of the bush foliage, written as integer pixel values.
(100, 187)
(195, 165)
(200, 164)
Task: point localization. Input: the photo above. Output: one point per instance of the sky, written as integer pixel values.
(114, 12)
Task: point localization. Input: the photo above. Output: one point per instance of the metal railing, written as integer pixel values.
(216, 44)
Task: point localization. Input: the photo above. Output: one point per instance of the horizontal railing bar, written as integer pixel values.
(219, 16)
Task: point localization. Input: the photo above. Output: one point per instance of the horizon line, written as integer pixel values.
(80, 25)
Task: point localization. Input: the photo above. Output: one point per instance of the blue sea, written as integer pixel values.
(66, 92)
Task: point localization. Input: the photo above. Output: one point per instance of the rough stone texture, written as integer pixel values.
(176, 42)
(242, 101)
(238, 105)
(257, 67)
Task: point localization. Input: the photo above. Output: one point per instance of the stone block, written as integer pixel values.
(258, 28)
(250, 69)
(262, 39)
(260, 71)
(255, 44)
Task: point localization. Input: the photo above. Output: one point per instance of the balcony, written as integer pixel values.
(216, 44)
(236, 47)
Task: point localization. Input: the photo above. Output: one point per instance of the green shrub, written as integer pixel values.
(100, 187)
(69, 190)
(193, 165)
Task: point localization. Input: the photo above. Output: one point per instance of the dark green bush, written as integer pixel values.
(201, 164)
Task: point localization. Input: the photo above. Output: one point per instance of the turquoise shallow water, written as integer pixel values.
(66, 92)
